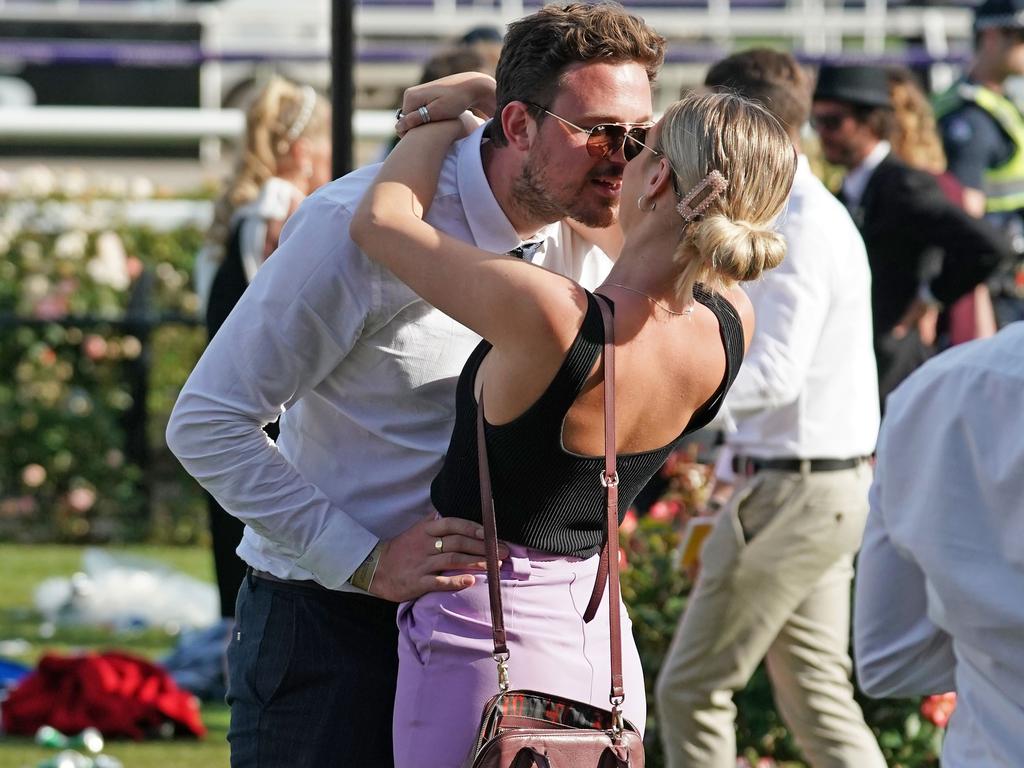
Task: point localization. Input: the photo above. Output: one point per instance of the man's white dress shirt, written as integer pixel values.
(940, 581)
(856, 181)
(808, 387)
(363, 370)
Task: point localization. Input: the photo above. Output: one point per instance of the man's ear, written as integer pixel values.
(519, 126)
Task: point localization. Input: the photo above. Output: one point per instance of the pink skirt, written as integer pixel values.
(446, 673)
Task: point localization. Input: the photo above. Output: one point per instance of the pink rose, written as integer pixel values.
(33, 475)
(665, 510)
(938, 708)
(94, 347)
(629, 521)
(81, 499)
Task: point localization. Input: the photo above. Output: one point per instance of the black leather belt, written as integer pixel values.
(748, 465)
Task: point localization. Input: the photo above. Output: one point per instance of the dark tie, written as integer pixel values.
(526, 250)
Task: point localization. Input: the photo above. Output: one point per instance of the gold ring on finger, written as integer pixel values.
(439, 545)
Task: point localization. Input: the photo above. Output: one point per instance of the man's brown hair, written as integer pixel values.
(539, 48)
(773, 78)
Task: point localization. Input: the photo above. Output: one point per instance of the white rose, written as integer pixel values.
(141, 188)
(169, 276)
(36, 181)
(110, 265)
(35, 287)
(74, 183)
(114, 186)
(71, 245)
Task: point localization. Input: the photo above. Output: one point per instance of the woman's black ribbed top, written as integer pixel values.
(546, 497)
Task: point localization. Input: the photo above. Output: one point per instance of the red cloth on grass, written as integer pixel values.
(121, 695)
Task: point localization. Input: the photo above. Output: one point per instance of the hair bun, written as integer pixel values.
(737, 250)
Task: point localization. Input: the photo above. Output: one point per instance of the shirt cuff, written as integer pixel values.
(339, 549)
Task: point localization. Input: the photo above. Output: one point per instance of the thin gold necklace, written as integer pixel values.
(685, 313)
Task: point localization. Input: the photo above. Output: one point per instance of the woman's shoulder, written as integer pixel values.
(732, 307)
(732, 300)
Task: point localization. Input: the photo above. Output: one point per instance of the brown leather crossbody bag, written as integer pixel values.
(531, 729)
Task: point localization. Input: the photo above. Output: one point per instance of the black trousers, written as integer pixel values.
(312, 677)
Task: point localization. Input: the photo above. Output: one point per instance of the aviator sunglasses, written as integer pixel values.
(606, 139)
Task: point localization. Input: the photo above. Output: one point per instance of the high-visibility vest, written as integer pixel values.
(1003, 184)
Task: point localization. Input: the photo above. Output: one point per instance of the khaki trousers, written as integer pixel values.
(774, 584)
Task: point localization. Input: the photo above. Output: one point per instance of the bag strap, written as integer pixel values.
(610, 480)
(609, 566)
(491, 544)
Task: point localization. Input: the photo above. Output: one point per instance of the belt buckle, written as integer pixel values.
(747, 467)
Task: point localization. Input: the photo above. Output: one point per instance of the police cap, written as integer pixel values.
(999, 14)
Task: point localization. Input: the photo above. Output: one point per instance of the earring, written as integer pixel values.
(641, 201)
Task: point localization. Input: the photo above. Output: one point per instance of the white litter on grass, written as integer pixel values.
(127, 592)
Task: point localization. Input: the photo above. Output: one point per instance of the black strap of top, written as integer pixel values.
(609, 568)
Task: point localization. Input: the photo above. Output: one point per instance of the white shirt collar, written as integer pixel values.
(857, 179)
(492, 231)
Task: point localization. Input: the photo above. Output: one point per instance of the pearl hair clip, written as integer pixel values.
(305, 113)
(707, 191)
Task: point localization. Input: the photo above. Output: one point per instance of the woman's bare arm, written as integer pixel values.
(503, 299)
(446, 98)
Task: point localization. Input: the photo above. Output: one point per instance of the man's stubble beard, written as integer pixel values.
(539, 199)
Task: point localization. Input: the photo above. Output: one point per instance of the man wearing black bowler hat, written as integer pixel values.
(923, 250)
(983, 136)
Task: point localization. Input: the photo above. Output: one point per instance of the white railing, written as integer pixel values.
(813, 26)
(141, 125)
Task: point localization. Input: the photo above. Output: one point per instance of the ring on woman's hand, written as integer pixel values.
(424, 115)
(399, 115)
(439, 545)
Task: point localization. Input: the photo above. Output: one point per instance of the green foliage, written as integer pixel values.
(84, 298)
(655, 588)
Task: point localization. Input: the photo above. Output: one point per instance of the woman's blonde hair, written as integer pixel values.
(280, 114)
(915, 138)
(735, 239)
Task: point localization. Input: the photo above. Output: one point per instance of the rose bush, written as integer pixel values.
(655, 589)
(99, 332)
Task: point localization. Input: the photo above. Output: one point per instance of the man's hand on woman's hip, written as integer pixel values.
(412, 563)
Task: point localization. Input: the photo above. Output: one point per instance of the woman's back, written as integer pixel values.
(546, 463)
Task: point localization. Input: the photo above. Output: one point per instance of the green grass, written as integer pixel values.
(22, 569)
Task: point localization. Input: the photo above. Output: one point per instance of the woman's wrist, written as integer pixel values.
(446, 99)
